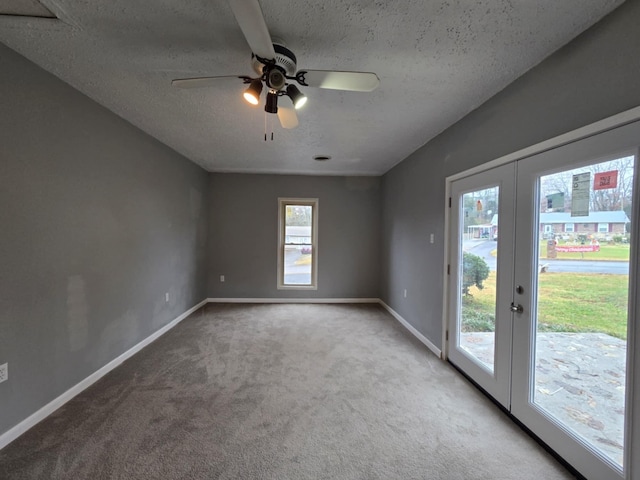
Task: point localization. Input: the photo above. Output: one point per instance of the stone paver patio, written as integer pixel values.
(580, 380)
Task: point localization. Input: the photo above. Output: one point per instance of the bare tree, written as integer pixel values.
(613, 198)
(618, 198)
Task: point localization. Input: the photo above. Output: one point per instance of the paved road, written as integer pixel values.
(297, 279)
(296, 274)
(484, 249)
(617, 268)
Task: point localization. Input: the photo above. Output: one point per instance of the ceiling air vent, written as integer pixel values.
(25, 8)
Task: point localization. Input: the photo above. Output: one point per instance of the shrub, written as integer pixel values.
(474, 271)
(474, 321)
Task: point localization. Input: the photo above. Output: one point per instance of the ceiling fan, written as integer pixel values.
(276, 67)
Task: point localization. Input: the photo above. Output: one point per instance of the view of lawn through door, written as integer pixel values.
(581, 305)
(479, 245)
(582, 301)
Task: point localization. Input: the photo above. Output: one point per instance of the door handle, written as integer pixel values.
(516, 308)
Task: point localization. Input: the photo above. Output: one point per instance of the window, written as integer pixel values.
(569, 227)
(603, 228)
(298, 243)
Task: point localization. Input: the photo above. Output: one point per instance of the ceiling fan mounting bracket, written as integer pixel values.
(300, 78)
(275, 78)
(285, 59)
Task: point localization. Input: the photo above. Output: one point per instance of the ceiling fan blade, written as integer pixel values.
(288, 117)
(198, 82)
(352, 81)
(251, 20)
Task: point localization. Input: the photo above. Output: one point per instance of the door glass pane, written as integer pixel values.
(477, 309)
(582, 295)
(298, 258)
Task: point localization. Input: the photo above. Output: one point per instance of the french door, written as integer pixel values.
(542, 294)
(480, 334)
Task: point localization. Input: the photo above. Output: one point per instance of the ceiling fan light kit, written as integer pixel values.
(272, 102)
(297, 97)
(252, 94)
(275, 64)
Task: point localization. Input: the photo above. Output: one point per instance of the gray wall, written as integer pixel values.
(593, 77)
(243, 235)
(98, 221)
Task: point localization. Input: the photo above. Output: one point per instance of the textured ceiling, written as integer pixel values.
(437, 60)
(31, 8)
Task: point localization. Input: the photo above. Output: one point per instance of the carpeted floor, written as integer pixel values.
(280, 392)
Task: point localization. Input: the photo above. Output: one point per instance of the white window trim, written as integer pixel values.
(568, 229)
(282, 203)
(602, 226)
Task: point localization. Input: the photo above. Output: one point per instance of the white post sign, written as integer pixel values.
(580, 194)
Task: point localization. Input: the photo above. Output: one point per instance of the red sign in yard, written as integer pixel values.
(604, 180)
(578, 248)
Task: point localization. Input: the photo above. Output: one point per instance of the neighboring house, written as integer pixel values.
(598, 224)
(300, 235)
(480, 231)
(488, 230)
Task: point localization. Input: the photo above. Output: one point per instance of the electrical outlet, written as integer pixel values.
(222, 278)
(166, 297)
(4, 372)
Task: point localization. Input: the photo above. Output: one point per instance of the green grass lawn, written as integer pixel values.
(617, 252)
(614, 253)
(568, 302)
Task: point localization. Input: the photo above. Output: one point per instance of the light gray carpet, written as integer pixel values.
(280, 392)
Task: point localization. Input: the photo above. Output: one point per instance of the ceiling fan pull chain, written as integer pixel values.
(265, 126)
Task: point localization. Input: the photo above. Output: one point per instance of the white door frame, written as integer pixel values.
(632, 459)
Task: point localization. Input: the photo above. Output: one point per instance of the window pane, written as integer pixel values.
(298, 258)
(582, 311)
(477, 319)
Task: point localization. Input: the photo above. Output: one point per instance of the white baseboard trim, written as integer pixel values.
(293, 300)
(413, 330)
(13, 433)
